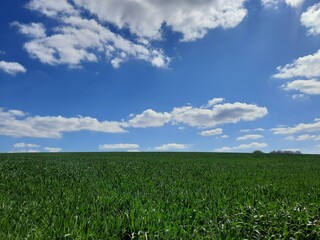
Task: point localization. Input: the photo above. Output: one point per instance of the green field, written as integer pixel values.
(159, 196)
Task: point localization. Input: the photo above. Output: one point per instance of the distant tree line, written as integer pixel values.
(278, 152)
(285, 152)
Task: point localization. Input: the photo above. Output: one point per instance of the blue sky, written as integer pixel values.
(214, 75)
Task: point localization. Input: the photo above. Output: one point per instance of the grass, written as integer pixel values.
(159, 196)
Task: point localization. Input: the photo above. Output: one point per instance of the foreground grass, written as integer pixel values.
(159, 196)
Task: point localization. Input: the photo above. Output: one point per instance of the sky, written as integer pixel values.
(153, 75)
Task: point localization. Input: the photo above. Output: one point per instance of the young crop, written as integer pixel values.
(159, 196)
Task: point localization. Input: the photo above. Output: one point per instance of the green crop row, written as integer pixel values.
(159, 196)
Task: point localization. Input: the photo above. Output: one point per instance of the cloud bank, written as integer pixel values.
(16, 123)
(90, 31)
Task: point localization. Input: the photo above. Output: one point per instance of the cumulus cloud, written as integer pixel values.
(53, 149)
(25, 145)
(311, 87)
(76, 39)
(119, 146)
(217, 131)
(253, 145)
(218, 114)
(81, 32)
(149, 118)
(307, 66)
(16, 124)
(311, 19)
(146, 18)
(249, 136)
(12, 68)
(172, 146)
(299, 128)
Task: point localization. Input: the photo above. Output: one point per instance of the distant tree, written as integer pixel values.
(257, 152)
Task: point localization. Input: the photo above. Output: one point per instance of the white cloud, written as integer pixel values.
(25, 145)
(203, 116)
(299, 96)
(307, 66)
(306, 137)
(249, 136)
(303, 137)
(149, 118)
(76, 39)
(213, 102)
(253, 145)
(253, 130)
(52, 8)
(275, 3)
(53, 149)
(119, 146)
(223, 149)
(145, 18)
(133, 150)
(15, 124)
(172, 146)
(299, 128)
(80, 32)
(218, 114)
(311, 19)
(294, 3)
(311, 86)
(224, 136)
(25, 151)
(32, 30)
(12, 67)
(212, 132)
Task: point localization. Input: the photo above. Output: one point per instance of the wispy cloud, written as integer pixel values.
(253, 145)
(12, 67)
(172, 146)
(53, 149)
(119, 146)
(299, 128)
(25, 145)
(249, 136)
(212, 132)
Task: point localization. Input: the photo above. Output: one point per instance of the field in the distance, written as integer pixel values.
(159, 196)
